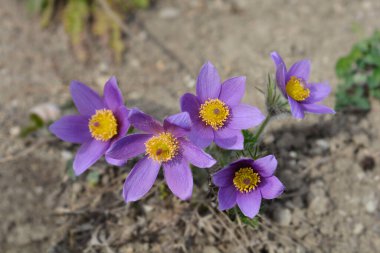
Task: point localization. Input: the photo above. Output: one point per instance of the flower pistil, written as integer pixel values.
(103, 125)
(214, 113)
(162, 148)
(246, 180)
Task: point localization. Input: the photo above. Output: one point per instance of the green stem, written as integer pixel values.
(262, 127)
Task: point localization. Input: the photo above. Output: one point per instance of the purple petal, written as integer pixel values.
(229, 139)
(245, 116)
(296, 109)
(196, 155)
(190, 104)
(123, 124)
(271, 187)
(300, 69)
(71, 128)
(281, 79)
(178, 124)
(128, 147)
(85, 99)
(141, 179)
(208, 82)
(179, 178)
(115, 162)
(265, 166)
(233, 90)
(277, 59)
(318, 92)
(317, 109)
(224, 177)
(144, 122)
(227, 197)
(88, 154)
(200, 135)
(249, 203)
(112, 94)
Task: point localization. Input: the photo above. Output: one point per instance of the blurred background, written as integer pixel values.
(329, 164)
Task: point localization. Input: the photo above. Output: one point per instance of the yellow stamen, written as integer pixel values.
(214, 113)
(295, 88)
(246, 180)
(103, 125)
(162, 147)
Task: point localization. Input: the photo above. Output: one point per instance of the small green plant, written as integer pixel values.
(101, 18)
(359, 73)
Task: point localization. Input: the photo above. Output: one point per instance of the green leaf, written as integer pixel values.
(93, 178)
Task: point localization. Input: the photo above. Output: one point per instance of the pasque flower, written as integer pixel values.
(100, 122)
(216, 111)
(245, 182)
(302, 95)
(164, 145)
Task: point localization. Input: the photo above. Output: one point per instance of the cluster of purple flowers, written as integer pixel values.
(214, 114)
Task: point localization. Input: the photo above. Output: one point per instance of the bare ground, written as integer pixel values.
(330, 165)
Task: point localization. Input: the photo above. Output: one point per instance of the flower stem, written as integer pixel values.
(262, 127)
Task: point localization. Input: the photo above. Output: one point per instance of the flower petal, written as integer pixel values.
(300, 69)
(249, 203)
(318, 92)
(317, 109)
(123, 124)
(245, 116)
(277, 59)
(229, 139)
(71, 128)
(128, 147)
(112, 94)
(227, 197)
(144, 122)
(141, 179)
(190, 104)
(196, 155)
(265, 166)
(208, 82)
(201, 135)
(271, 187)
(179, 178)
(224, 177)
(178, 124)
(115, 162)
(281, 79)
(88, 154)
(233, 90)
(85, 99)
(296, 108)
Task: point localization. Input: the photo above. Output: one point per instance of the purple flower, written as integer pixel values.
(100, 122)
(164, 145)
(216, 111)
(302, 96)
(245, 182)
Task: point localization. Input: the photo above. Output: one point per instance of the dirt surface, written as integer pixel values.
(330, 165)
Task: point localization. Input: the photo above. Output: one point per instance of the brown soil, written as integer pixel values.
(330, 165)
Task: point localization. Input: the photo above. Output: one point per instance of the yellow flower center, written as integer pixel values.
(103, 125)
(214, 113)
(295, 88)
(246, 180)
(162, 147)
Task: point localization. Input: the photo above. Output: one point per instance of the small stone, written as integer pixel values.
(148, 208)
(210, 249)
(293, 154)
(282, 216)
(323, 144)
(358, 228)
(168, 13)
(66, 155)
(371, 206)
(77, 188)
(189, 81)
(46, 111)
(15, 131)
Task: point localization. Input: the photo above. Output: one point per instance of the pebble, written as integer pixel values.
(358, 228)
(15, 131)
(46, 111)
(210, 249)
(168, 13)
(283, 216)
(371, 206)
